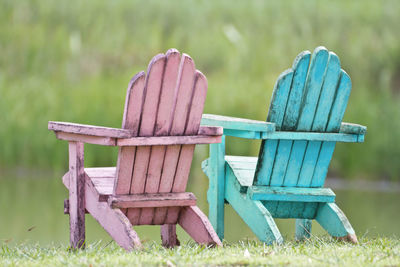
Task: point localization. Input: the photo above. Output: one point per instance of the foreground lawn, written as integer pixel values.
(316, 252)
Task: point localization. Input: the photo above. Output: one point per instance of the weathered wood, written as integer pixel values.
(259, 192)
(76, 195)
(333, 220)
(337, 112)
(210, 130)
(149, 113)
(163, 125)
(192, 126)
(352, 128)
(216, 190)
(103, 172)
(159, 130)
(276, 114)
(243, 134)
(66, 207)
(185, 86)
(233, 123)
(197, 225)
(131, 121)
(313, 136)
(253, 212)
(89, 139)
(307, 108)
(103, 184)
(280, 177)
(149, 200)
(85, 129)
(113, 221)
(346, 136)
(145, 141)
(303, 229)
(169, 140)
(244, 169)
(168, 236)
(322, 112)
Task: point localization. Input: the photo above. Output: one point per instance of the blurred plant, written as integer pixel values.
(72, 61)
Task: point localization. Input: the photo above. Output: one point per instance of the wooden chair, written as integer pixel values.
(286, 180)
(160, 127)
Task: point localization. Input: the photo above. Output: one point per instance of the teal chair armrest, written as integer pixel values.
(239, 127)
(315, 136)
(352, 128)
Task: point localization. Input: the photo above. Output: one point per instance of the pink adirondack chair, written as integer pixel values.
(160, 127)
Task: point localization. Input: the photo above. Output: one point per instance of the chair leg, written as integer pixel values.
(253, 212)
(114, 221)
(303, 229)
(168, 235)
(197, 225)
(76, 195)
(216, 191)
(333, 220)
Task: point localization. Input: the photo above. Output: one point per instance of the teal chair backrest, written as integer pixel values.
(310, 97)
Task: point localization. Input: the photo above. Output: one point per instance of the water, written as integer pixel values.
(31, 210)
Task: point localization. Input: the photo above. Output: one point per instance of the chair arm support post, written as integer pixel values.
(216, 191)
(77, 195)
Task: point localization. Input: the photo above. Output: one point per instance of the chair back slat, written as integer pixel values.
(131, 121)
(276, 114)
(163, 124)
(335, 119)
(147, 124)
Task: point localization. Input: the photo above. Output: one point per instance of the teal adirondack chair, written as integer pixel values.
(298, 139)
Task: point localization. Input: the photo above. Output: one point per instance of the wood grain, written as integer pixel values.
(76, 195)
(85, 129)
(150, 200)
(146, 128)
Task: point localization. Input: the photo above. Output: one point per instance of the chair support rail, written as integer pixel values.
(152, 200)
(297, 194)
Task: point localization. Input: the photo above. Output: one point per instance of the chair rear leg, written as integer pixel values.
(197, 225)
(303, 229)
(333, 220)
(168, 235)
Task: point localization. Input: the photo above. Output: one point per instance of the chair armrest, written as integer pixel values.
(232, 123)
(315, 136)
(84, 129)
(352, 128)
(120, 137)
(206, 135)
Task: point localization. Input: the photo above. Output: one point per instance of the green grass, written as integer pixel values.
(315, 252)
(72, 61)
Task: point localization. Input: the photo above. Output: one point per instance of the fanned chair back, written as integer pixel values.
(309, 97)
(168, 100)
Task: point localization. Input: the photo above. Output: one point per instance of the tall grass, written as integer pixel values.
(72, 60)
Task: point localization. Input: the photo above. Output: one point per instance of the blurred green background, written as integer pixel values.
(72, 61)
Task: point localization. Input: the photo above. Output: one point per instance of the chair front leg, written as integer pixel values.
(216, 191)
(76, 195)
